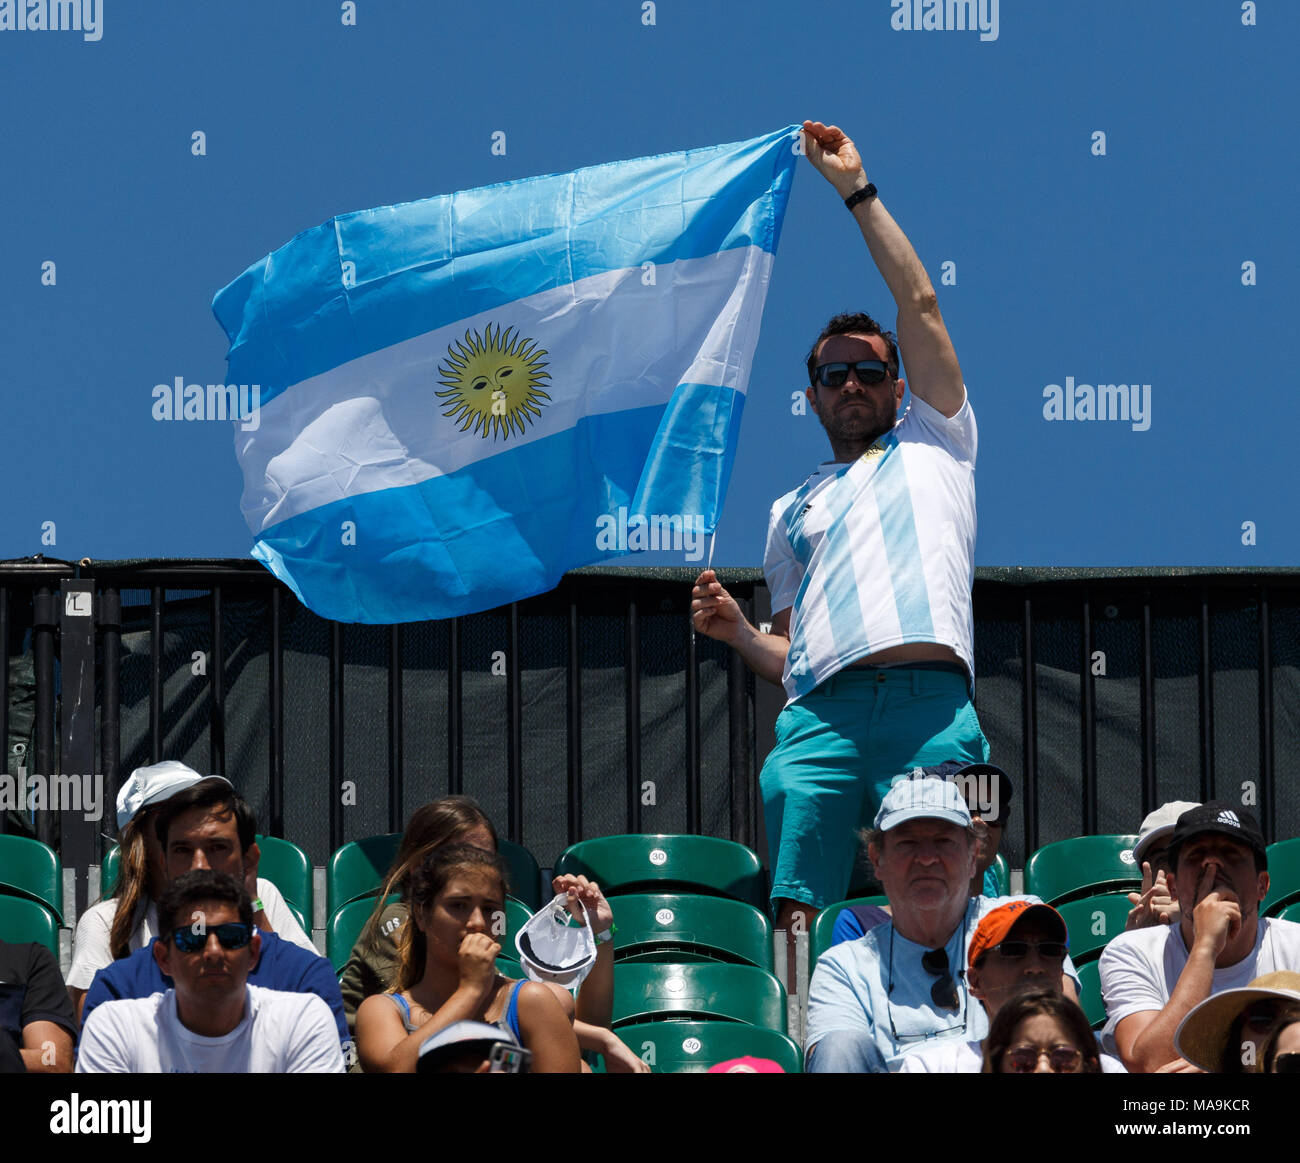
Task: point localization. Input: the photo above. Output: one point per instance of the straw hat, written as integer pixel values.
(1202, 1037)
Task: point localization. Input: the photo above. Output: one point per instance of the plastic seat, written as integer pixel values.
(1090, 993)
(31, 870)
(1290, 913)
(286, 866)
(703, 991)
(345, 927)
(282, 862)
(359, 867)
(1093, 921)
(819, 940)
(664, 863)
(692, 1047)
(1002, 870)
(1283, 876)
(1084, 866)
(23, 921)
(689, 927)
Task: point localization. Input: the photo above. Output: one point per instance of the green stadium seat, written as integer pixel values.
(1093, 921)
(359, 867)
(286, 866)
(1002, 870)
(1090, 993)
(1283, 876)
(108, 871)
(346, 924)
(31, 870)
(663, 863)
(692, 1047)
(23, 920)
(701, 991)
(1084, 866)
(283, 863)
(688, 927)
(824, 925)
(1290, 913)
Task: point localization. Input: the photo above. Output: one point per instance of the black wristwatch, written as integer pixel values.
(867, 191)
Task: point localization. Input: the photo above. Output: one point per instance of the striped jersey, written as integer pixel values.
(879, 552)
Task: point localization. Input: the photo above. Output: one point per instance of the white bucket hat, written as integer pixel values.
(553, 949)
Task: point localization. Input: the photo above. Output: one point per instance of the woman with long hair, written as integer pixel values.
(447, 973)
(1040, 1031)
(372, 967)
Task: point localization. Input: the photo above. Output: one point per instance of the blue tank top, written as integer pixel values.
(509, 1024)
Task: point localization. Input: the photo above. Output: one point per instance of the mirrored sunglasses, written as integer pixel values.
(231, 935)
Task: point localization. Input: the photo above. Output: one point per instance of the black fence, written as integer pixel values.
(594, 709)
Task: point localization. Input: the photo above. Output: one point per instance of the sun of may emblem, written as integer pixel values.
(494, 382)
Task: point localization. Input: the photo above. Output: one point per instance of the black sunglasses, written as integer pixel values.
(1286, 1064)
(944, 991)
(231, 935)
(835, 375)
(1015, 950)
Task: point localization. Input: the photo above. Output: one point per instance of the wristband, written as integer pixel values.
(607, 935)
(867, 191)
(257, 906)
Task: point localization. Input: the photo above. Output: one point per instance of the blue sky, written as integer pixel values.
(1122, 268)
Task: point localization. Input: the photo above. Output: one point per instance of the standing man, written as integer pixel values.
(870, 563)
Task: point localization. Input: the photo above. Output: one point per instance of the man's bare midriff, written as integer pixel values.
(910, 652)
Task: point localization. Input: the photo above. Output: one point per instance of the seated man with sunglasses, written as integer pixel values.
(902, 987)
(869, 563)
(211, 1020)
(211, 827)
(1017, 946)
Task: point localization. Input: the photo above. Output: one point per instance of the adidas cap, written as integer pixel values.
(1227, 820)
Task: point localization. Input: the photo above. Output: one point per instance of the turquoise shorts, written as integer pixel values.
(838, 748)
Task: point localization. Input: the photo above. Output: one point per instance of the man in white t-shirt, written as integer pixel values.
(870, 565)
(212, 1020)
(234, 852)
(1018, 945)
(1151, 978)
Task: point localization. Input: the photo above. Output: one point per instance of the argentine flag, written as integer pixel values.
(460, 397)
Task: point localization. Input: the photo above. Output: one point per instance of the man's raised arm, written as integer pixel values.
(932, 368)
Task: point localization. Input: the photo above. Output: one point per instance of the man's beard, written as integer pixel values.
(863, 425)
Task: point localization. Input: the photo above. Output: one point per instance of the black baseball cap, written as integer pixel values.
(972, 776)
(1225, 819)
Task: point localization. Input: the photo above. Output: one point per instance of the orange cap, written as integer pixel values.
(996, 924)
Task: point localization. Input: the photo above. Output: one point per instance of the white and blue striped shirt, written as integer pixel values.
(879, 552)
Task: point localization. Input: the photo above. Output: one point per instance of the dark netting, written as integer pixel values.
(999, 667)
(425, 652)
(544, 657)
(485, 659)
(1058, 688)
(481, 766)
(1176, 661)
(1234, 656)
(1114, 668)
(1284, 620)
